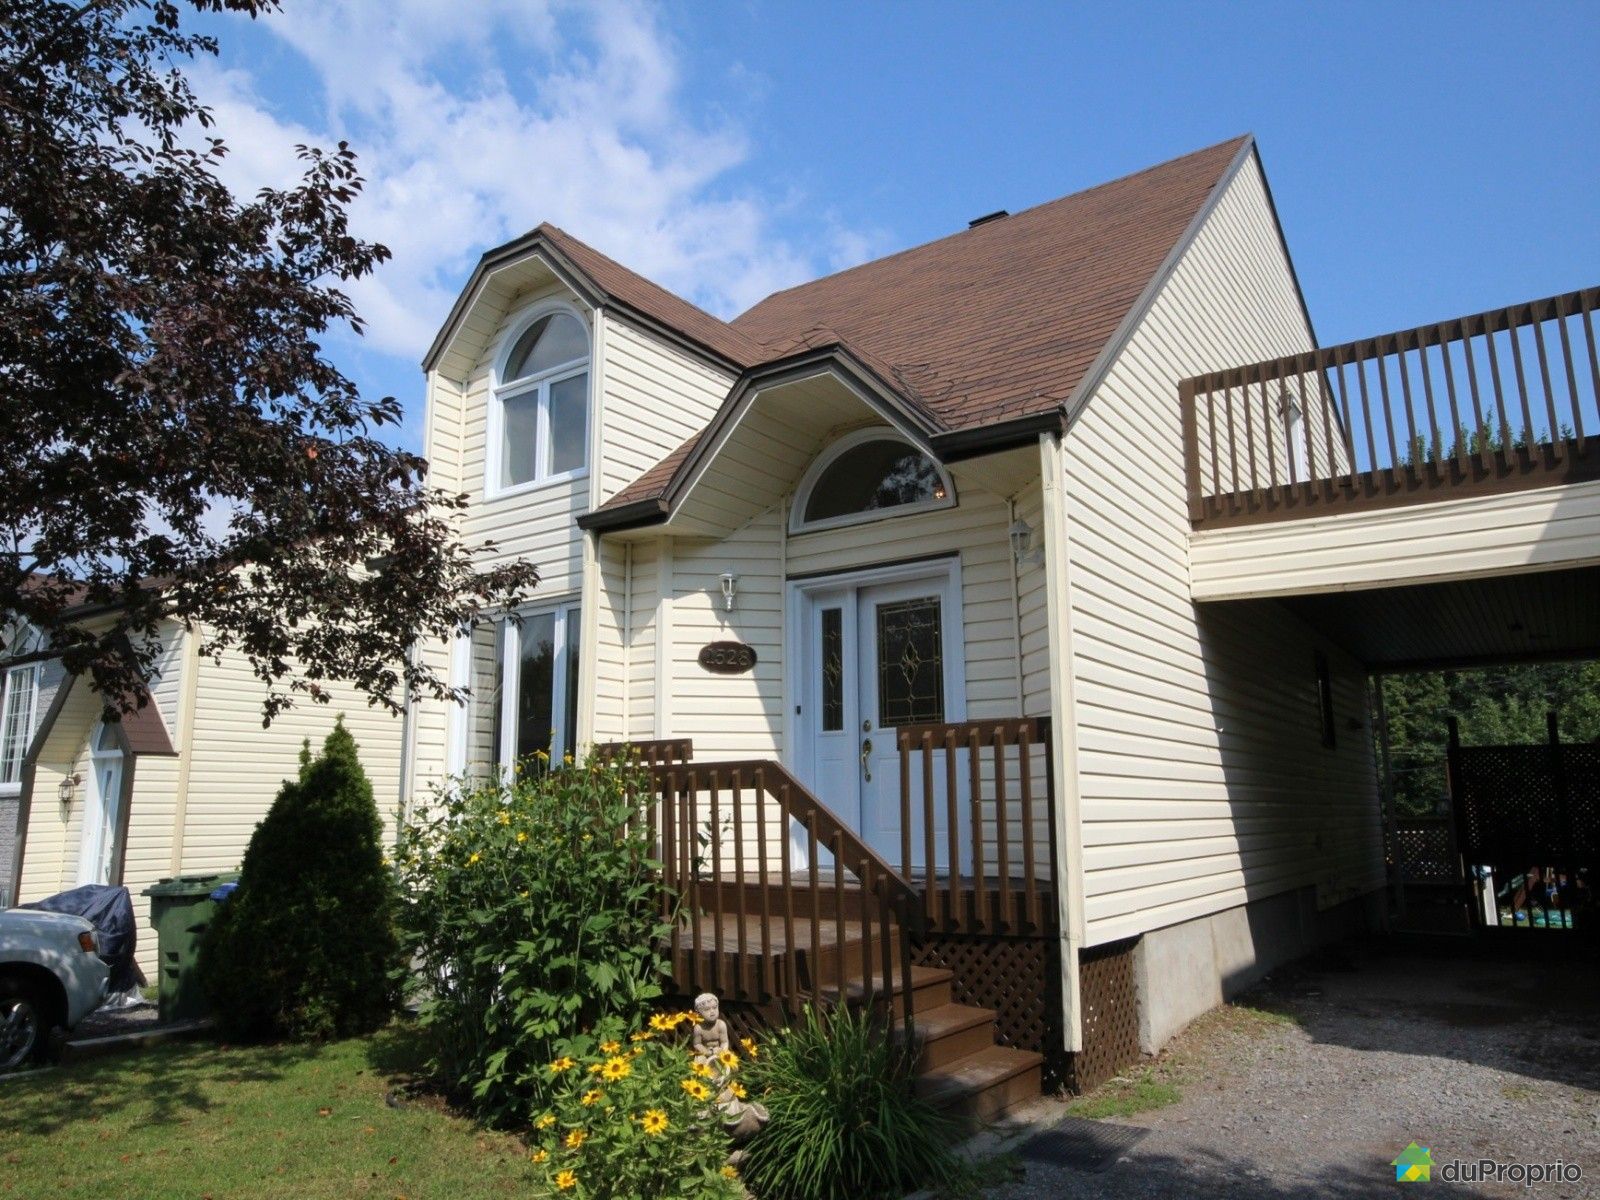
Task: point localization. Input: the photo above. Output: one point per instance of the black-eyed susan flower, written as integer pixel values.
(564, 1063)
(728, 1060)
(696, 1089)
(566, 1180)
(654, 1121)
(539, 1156)
(545, 1121)
(615, 1069)
(575, 1139)
(610, 1047)
(591, 1097)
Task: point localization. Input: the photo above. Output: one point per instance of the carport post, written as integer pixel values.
(1390, 825)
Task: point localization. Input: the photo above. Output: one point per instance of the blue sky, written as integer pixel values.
(1427, 160)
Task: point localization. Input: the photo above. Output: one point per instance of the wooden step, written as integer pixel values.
(983, 1086)
(949, 1032)
(930, 989)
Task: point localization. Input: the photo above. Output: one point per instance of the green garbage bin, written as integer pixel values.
(181, 909)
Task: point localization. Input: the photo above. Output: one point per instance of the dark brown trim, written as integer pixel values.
(1523, 469)
(573, 277)
(119, 853)
(649, 511)
(835, 357)
(964, 444)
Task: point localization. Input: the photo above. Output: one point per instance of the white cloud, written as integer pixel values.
(474, 124)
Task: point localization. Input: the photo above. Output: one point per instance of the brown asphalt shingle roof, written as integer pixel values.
(993, 323)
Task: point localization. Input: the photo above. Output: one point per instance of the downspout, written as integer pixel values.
(1064, 736)
(186, 706)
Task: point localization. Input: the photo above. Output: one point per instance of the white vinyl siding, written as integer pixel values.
(654, 398)
(1539, 529)
(1202, 778)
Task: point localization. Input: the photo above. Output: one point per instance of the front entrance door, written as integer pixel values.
(876, 654)
(103, 810)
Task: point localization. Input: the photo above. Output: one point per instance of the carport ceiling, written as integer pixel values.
(1506, 618)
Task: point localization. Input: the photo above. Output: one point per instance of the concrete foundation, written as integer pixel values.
(1184, 970)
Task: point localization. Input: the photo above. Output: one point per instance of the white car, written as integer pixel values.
(51, 974)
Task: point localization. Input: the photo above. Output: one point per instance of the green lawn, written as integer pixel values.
(203, 1122)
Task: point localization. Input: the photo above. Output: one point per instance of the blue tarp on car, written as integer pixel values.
(110, 911)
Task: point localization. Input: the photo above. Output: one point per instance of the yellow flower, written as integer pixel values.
(749, 1045)
(689, 1015)
(654, 1121)
(737, 1089)
(541, 755)
(595, 1068)
(729, 1172)
(615, 1069)
(538, 1156)
(701, 1069)
(635, 1052)
(575, 1139)
(474, 858)
(728, 1060)
(504, 818)
(562, 1064)
(592, 1096)
(545, 1121)
(660, 1023)
(566, 1180)
(644, 1035)
(610, 1047)
(696, 1089)
(522, 836)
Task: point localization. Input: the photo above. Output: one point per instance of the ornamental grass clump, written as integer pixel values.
(634, 1116)
(845, 1124)
(532, 910)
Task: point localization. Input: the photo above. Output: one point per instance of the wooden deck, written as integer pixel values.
(1496, 402)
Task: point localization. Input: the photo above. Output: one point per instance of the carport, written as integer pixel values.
(1430, 500)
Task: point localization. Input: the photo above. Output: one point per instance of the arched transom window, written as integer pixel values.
(869, 474)
(540, 419)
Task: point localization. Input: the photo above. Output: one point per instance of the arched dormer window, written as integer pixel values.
(865, 475)
(539, 411)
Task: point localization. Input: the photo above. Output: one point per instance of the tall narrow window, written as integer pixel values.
(1325, 701)
(832, 670)
(540, 422)
(524, 703)
(17, 710)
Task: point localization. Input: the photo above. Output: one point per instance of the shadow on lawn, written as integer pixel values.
(166, 1085)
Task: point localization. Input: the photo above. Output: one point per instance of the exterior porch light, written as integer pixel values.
(730, 582)
(67, 789)
(1022, 547)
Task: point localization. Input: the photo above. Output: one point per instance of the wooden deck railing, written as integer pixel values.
(972, 797)
(1498, 401)
(647, 753)
(749, 921)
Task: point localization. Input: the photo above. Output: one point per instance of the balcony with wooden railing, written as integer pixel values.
(1490, 403)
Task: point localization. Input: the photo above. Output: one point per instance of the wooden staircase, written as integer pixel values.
(960, 1068)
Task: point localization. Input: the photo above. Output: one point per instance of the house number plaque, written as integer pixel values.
(727, 658)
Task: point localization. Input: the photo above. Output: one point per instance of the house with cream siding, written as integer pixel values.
(901, 581)
(175, 787)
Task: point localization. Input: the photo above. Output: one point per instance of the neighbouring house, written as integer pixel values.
(174, 787)
(957, 604)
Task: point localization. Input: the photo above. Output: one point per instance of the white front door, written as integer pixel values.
(102, 808)
(876, 653)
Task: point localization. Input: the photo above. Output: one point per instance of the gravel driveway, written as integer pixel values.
(1470, 1057)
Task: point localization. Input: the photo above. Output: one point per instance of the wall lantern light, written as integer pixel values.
(730, 583)
(1022, 547)
(68, 788)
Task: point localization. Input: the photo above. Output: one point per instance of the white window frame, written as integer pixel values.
(511, 679)
(500, 392)
(831, 454)
(27, 639)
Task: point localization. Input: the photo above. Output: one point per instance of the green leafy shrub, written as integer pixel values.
(634, 1117)
(532, 909)
(846, 1124)
(306, 946)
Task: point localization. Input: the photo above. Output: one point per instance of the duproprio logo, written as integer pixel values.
(1414, 1164)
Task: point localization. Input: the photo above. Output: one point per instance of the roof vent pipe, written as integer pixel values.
(986, 218)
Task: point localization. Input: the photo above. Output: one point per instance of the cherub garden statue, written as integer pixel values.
(713, 1049)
